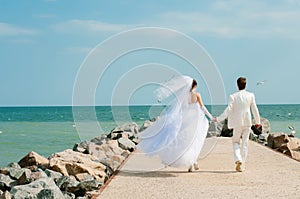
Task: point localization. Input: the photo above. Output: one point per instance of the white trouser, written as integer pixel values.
(240, 150)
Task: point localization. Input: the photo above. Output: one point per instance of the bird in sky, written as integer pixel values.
(261, 83)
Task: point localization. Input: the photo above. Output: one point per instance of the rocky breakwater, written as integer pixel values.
(279, 141)
(285, 143)
(260, 135)
(71, 174)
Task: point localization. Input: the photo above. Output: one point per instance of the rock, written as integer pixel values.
(84, 177)
(275, 140)
(130, 127)
(115, 135)
(84, 186)
(285, 144)
(295, 155)
(111, 148)
(113, 144)
(100, 140)
(96, 150)
(53, 174)
(6, 183)
(214, 129)
(25, 178)
(63, 181)
(71, 185)
(68, 195)
(145, 125)
(253, 137)
(263, 137)
(49, 194)
(125, 153)
(226, 132)
(291, 148)
(117, 158)
(34, 159)
(5, 195)
(287, 149)
(81, 147)
(135, 141)
(14, 165)
(16, 172)
(4, 171)
(38, 174)
(66, 183)
(111, 165)
(43, 188)
(128, 130)
(127, 127)
(126, 144)
(70, 162)
(294, 143)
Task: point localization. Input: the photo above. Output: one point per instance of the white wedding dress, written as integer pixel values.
(178, 135)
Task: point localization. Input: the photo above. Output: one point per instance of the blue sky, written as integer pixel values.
(44, 42)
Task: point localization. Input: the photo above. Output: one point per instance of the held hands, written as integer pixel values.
(214, 119)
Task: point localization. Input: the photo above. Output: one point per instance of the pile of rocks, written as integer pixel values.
(70, 174)
(285, 144)
(281, 142)
(266, 128)
(262, 138)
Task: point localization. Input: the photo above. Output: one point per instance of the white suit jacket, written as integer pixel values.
(238, 110)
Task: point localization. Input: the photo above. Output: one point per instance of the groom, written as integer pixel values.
(239, 119)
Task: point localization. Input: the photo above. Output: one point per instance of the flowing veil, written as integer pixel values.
(165, 131)
(179, 87)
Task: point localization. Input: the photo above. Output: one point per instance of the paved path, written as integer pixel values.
(269, 175)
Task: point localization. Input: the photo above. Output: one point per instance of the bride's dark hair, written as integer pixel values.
(193, 84)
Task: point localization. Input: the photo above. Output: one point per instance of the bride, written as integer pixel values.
(178, 134)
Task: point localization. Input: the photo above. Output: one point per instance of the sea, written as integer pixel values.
(51, 129)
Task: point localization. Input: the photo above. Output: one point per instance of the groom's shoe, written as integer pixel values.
(196, 166)
(238, 166)
(190, 169)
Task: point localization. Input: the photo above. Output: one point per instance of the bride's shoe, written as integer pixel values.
(196, 166)
(190, 169)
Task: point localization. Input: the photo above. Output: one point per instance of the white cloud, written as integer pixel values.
(89, 26)
(237, 18)
(12, 30)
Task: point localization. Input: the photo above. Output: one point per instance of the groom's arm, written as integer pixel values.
(224, 115)
(255, 111)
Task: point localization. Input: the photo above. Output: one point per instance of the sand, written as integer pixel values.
(268, 174)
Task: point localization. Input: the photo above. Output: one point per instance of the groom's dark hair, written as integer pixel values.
(241, 82)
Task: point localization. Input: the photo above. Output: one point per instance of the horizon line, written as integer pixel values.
(122, 105)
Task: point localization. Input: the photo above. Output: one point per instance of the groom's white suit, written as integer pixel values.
(239, 119)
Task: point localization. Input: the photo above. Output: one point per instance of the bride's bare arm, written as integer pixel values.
(199, 100)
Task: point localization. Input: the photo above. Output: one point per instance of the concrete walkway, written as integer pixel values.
(268, 175)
